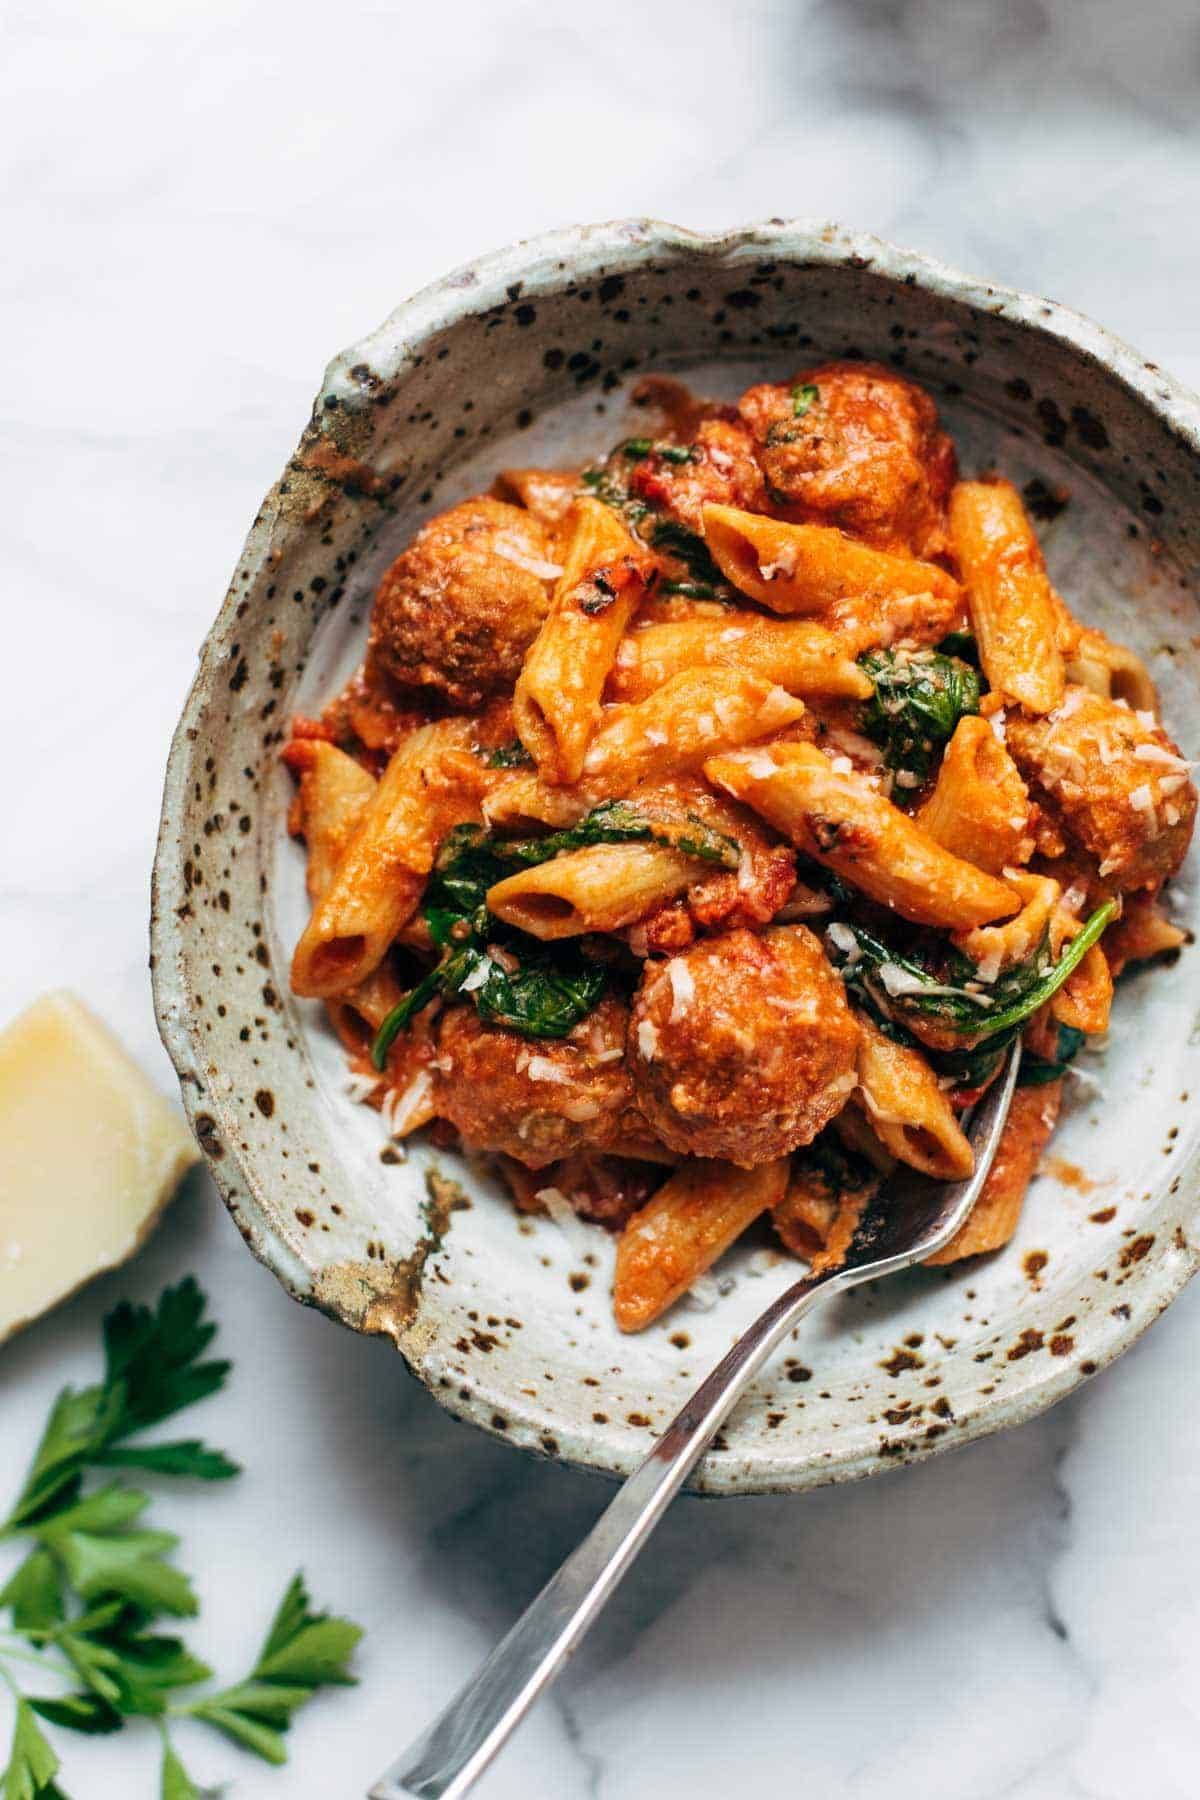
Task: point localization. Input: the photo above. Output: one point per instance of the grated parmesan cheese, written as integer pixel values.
(404, 1108)
(683, 989)
(898, 981)
(843, 939)
(361, 1088)
(540, 1068)
(1154, 753)
(533, 565)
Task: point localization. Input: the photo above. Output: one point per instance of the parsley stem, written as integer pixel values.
(10, 1652)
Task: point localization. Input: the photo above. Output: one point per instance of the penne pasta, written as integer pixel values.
(1085, 998)
(602, 888)
(692, 1220)
(979, 808)
(1008, 594)
(996, 948)
(669, 733)
(334, 791)
(840, 820)
(805, 568)
(998, 1208)
(795, 654)
(557, 699)
(357, 1016)
(1143, 931)
(1111, 670)
(908, 1110)
(380, 877)
(811, 1214)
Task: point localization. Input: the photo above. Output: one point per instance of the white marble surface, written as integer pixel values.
(206, 198)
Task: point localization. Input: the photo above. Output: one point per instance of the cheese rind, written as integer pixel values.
(90, 1153)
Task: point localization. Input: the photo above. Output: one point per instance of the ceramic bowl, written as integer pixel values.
(528, 356)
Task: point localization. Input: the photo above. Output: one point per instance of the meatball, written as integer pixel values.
(458, 609)
(1114, 780)
(743, 1047)
(856, 446)
(535, 1101)
(720, 466)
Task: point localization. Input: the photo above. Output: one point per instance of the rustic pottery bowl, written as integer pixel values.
(528, 356)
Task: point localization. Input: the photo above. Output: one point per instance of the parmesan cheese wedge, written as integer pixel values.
(90, 1153)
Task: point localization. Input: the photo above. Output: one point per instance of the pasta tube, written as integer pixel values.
(601, 888)
(804, 568)
(840, 820)
(996, 1212)
(334, 791)
(557, 699)
(380, 877)
(979, 808)
(1008, 594)
(1111, 670)
(694, 1217)
(800, 656)
(671, 732)
(907, 1109)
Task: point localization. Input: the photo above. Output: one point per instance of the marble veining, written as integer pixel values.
(207, 201)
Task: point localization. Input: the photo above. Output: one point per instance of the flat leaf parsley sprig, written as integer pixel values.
(85, 1602)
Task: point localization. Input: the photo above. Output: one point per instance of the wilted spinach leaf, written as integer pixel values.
(919, 698)
(903, 990)
(552, 987)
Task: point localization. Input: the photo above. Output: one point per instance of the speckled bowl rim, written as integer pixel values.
(538, 264)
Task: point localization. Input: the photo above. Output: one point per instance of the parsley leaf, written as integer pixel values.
(189, 1457)
(32, 1765)
(95, 1576)
(803, 398)
(34, 1593)
(102, 1556)
(152, 1370)
(303, 1651)
(78, 1712)
(134, 1671)
(177, 1784)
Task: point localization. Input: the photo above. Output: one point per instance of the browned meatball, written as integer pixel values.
(856, 446)
(743, 1047)
(536, 1101)
(458, 609)
(721, 467)
(1115, 780)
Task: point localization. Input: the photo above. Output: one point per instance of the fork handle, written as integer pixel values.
(446, 1760)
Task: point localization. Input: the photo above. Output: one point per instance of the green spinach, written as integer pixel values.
(905, 991)
(919, 698)
(538, 990)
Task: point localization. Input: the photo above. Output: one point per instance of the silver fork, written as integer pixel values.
(910, 1220)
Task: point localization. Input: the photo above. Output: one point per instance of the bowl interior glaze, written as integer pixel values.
(529, 357)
